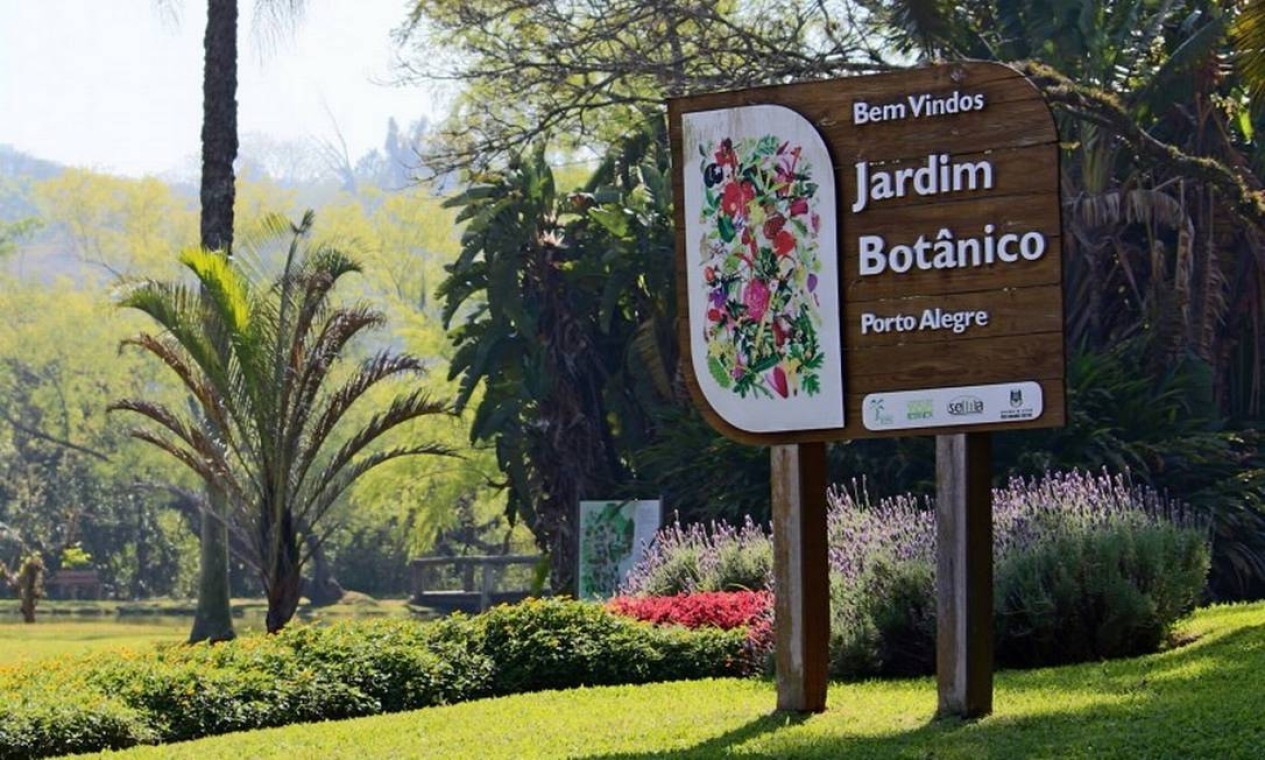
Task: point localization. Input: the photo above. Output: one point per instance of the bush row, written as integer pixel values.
(1086, 567)
(347, 669)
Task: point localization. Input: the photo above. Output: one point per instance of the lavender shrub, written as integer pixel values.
(1086, 566)
(1091, 567)
(715, 557)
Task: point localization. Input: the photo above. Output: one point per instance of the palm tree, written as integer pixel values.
(213, 620)
(1249, 39)
(268, 430)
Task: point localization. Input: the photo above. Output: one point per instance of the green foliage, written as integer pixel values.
(560, 643)
(46, 727)
(1202, 700)
(400, 665)
(561, 307)
(342, 670)
(885, 623)
(74, 557)
(577, 75)
(1079, 593)
(267, 431)
(1112, 592)
(1164, 429)
(698, 558)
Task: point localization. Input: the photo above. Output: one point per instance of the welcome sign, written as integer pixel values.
(871, 256)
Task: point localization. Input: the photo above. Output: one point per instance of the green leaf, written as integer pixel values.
(726, 228)
(718, 372)
(611, 218)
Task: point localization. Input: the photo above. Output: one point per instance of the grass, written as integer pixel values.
(76, 627)
(1200, 700)
(19, 641)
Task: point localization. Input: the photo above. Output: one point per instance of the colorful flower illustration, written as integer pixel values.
(760, 264)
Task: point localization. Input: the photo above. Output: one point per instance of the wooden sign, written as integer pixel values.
(871, 256)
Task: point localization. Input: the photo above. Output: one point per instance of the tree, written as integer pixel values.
(1249, 34)
(577, 75)
(213, 619)
(265, 431)
(562, 306)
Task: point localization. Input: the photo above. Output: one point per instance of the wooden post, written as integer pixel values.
(802, 604)
(964, 574)
(491, 575)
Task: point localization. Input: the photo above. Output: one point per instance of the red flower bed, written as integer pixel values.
(722, 609)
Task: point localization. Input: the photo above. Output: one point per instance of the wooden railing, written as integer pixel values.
(67, 584)
(489, 568)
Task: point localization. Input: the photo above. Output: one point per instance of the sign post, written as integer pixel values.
(868, 257)
(964, 574)
(802, 604)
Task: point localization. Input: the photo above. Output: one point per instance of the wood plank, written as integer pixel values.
(858, 291)
(1011, 311)
(967, 362)
(964, 575)
(998, 81)
(1052, 388)
(1025, 170)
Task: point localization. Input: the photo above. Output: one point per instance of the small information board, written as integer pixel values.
(613, 537)
(871, 256)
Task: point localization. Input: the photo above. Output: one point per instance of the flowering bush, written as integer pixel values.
(1086, 567)
(699, 558)
(721, 609)
(760, 266)
(726, 610)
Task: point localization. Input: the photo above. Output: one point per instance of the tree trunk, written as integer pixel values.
(324, 589)
(219, 124)
(214, 619)
(284, 580)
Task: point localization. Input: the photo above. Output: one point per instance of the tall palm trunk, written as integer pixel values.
(214, 619)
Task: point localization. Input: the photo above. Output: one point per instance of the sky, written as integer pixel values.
(115, 85)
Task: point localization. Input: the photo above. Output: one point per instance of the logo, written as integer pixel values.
(879, 412)
(963, 406)
(1016, 397)
(919, 409)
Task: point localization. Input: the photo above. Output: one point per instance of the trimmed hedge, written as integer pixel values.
(555, 644)
(344, 670)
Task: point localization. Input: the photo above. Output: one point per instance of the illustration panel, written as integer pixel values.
(762, 268)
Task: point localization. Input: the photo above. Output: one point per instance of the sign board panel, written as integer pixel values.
(613, 537)
(882, 242)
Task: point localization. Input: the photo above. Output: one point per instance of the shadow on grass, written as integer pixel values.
(722, 745)
(1203, 700)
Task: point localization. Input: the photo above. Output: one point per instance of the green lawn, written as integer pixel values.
(50, 638)
(67, 628)
(1206, 699)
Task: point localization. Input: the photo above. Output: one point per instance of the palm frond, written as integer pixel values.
(403, 409)
(222, 287)
(321, 422)
(338, 329)
(1249, 42)
(323, 499)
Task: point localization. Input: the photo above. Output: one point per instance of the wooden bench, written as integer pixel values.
(69, 583)
(468, 598)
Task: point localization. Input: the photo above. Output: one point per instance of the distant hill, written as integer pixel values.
(15, 163)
